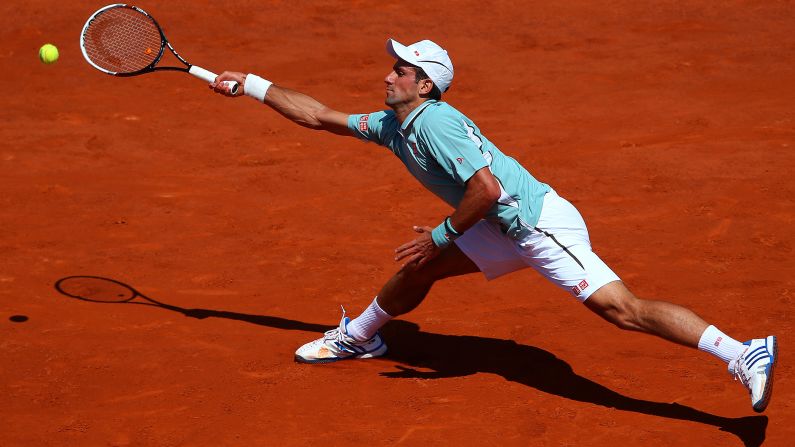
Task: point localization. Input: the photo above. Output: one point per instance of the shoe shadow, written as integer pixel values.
(447, 356)
(457, 356)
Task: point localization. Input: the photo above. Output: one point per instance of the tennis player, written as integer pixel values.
(504, 220)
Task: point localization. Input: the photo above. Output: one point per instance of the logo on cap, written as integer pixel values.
(416, 52)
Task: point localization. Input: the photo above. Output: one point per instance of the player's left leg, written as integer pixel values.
(401, 294)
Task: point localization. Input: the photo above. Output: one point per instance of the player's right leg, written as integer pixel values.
(751, 362)
(602, 292)
(401, 294)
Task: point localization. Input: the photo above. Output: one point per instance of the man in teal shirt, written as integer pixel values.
(504, 220)
(442, 148)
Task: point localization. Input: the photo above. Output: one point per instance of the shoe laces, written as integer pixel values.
(743, 373)
(738, 375)
(333, 334)
(336, 333)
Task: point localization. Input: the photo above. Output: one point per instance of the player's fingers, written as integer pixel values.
(426, 258)
(406, 246)
(412, 261)
(219, 87)
(230, 76)
(405, 253)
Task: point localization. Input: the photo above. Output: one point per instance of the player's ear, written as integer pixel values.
(426, 85)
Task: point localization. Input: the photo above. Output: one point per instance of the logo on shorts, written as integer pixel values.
(579, 287)
(363, 123)
(414, 149)
(717, 342)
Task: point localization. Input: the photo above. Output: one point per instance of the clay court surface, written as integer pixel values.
(669, 125)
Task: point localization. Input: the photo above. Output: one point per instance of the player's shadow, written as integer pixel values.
(462, 355)
(456, 356)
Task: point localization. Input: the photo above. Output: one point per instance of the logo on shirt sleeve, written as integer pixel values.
(363, 123)
(459, 160)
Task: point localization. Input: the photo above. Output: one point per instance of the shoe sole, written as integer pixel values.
(768, 392)
(369, 355)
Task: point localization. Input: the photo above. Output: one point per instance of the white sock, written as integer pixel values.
(720, 345)
(364, 326)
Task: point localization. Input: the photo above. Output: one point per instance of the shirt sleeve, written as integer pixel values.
(455, 145)
(374, 127)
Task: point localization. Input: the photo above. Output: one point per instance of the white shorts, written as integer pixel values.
(558, 248)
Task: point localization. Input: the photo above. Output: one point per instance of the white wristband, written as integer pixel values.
(256, 87)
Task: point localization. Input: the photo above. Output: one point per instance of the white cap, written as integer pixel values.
(425, 54)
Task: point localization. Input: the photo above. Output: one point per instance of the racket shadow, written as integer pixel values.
(97, 289)
(447, 356)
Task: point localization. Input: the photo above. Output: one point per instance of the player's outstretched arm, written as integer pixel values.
(295, 106)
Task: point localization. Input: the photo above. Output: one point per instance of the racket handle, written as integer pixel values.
(209, 77)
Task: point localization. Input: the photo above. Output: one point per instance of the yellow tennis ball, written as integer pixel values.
(48, 53)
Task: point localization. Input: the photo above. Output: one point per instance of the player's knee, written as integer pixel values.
(411, 275)
(627, 315)
(621, 309)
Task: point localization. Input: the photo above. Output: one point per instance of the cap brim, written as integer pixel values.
(400, 51)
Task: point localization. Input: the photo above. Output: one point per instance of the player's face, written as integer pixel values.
(401, 85)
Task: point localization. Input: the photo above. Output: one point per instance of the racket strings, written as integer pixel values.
(122, 40)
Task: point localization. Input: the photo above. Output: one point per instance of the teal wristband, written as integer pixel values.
(449, 225)
(440, 236)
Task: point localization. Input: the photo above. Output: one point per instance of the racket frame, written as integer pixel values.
(195, 70)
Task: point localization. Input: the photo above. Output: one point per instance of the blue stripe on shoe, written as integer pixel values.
(762, 357)
(344, 348)
(753, 358)
(754, 353)
(356, 349)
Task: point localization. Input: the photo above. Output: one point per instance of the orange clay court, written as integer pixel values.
(670, 125)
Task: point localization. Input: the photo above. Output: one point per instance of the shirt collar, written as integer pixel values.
(415, 113)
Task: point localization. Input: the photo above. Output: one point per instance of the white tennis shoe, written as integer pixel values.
(754, 368)
(336, 345)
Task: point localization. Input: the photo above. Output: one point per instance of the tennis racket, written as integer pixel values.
(123, 40)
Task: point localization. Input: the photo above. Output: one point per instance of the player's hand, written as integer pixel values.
(220, 87)
(419, 251)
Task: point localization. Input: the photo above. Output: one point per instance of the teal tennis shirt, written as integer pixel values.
(442, 148)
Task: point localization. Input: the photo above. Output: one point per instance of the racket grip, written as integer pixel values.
(209, 77)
